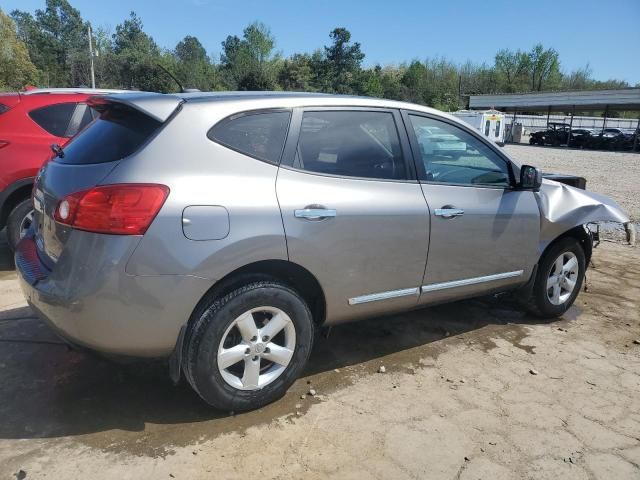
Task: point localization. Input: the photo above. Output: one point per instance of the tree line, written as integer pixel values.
(49, 48)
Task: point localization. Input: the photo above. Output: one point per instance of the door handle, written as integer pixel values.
(315, 212)
(448, 212)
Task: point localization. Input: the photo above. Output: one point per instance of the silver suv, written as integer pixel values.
(220, 230)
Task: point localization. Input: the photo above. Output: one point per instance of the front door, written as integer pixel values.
(484, 234)
(353, 212)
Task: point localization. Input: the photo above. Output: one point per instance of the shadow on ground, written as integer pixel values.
(50, 391)
(6, 257)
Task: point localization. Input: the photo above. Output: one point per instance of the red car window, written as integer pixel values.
(54, 118)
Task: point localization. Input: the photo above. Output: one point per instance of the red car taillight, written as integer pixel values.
(124, 209)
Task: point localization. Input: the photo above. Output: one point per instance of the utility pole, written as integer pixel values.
(93, 75)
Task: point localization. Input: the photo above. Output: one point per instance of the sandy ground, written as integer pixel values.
(474, 389)
(458, 399)
(615, 174)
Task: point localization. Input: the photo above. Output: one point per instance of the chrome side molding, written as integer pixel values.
(374, 297)
(470, 281)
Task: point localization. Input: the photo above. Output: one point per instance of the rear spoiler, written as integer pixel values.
(155, 105)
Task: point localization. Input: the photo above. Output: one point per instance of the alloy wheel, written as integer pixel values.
(562, 278)
(256, 348)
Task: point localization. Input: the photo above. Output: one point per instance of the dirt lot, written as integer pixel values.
(472, 390)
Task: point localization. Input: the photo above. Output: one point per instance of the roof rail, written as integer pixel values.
(95, 91)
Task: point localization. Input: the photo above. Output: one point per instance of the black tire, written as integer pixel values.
(14, 222)
(539, 303)
(212, 320)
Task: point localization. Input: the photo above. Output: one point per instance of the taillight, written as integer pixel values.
(124, 209)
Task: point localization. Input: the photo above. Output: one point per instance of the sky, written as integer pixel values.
(605, 35)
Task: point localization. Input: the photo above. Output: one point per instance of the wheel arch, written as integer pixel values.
(291, 274)
(12, 196)
(582, 235)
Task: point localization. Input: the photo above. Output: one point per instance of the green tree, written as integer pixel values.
(193, 66)
(16, 69)
(343, 61)
(512, 69)
(54, 36)
(249, 63)
(136, 57)
(544, 68)
(296, 73)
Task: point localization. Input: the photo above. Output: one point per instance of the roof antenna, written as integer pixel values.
(182, 89)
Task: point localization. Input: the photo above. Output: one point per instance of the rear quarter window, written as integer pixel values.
(258, 134)
(54, 118)
(118, 132)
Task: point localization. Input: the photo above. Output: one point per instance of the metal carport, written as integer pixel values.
(568, 101)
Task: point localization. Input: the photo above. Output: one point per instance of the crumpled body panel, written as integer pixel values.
(563, 207)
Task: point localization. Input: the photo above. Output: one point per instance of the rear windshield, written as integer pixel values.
(117, 133)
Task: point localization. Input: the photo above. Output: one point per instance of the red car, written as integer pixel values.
(30, 122)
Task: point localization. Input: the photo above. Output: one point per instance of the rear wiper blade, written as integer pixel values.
(57, 150)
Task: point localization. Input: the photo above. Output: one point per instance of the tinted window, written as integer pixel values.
(87, 117)
(451, 155)
(54, 118)
(350, 143)
(117, 133)
(260, 135)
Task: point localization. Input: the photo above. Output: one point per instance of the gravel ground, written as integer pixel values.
(614, 174)
(474, 389)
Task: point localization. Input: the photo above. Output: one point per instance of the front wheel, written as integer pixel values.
(18, 223)
(245, 349)
(559, 279)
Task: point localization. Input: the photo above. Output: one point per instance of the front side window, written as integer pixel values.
(360, 144)
(451, 155)
(54, 118)
(259, 134)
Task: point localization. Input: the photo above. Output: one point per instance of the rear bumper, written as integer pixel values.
(90, 301)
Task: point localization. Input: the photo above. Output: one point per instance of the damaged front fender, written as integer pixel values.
(563, 207)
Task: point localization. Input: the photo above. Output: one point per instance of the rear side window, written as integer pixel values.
(117, 133)
(258, 134)
(350, 144)
(54, 118)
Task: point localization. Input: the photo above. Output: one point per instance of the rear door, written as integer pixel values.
(353, 212)
(484, 234)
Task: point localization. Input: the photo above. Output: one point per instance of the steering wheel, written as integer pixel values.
(386, 166)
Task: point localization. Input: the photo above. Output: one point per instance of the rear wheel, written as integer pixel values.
(19, 222)
(559, 279)
(246, 348)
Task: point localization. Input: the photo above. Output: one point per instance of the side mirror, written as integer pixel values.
(530, 178)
